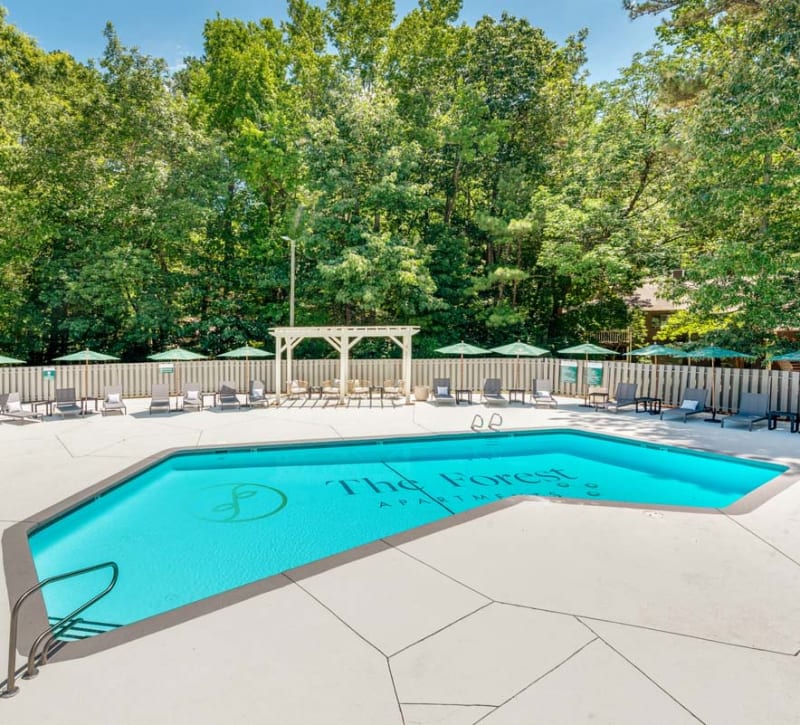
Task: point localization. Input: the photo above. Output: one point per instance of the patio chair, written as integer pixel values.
(297, 388)
(542, 393)
(330, 390)
(393, 389)
(192, 396)
(11, 407)
(492, 394)
(752, 409)
(227, 396)
(112, 400)
(358, 389)
(625, 395)
(256, 394)
(694, 402)
(66, 402)
(159, 399)
(442, 393)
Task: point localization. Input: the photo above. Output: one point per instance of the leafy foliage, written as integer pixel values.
(463, 178)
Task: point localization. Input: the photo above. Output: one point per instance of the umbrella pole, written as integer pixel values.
(713, 418)
(655, 358)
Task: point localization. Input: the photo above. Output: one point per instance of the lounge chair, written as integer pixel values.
(112, 401)
(752, 409)
(542, 393)
(442, 393)
(159, 399)
(492, 394)
(227, 396)
(11, 407)
(66, 402)
(625, 395)
(256, 394)
(694, 402)
(192, 396)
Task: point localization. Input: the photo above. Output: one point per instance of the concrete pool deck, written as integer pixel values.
(538, 612)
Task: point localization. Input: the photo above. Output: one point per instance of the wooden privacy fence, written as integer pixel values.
(137, 379)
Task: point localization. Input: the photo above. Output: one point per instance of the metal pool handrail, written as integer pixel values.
(11, 688)
(494, 422)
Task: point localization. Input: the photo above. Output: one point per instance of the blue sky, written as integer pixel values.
(172, 29)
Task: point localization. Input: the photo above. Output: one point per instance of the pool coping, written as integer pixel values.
(21, 573)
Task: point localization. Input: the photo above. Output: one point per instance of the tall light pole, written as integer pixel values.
(291, 278)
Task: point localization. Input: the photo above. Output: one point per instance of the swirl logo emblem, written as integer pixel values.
(236, 503)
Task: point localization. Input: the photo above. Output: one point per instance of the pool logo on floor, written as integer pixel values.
(237, 503)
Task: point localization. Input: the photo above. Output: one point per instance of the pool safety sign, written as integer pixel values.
(594, 373)
(569, 371)
(166, 368)
(48, 373)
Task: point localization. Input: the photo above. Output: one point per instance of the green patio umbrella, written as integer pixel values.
(654, 351)
(247, 352)
(790, 356)
(713, 352)
(462, 348)
(10, 361)
(85, 356)
(176, 354)
(520, 349)
(586, 349)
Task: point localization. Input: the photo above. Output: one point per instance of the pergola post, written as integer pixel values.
(407, 366)
(278, 359)
(344, 370)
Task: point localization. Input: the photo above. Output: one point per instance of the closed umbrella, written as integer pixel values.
(10, 361)
(654, 351)
(713, 352)
(176, 354)
(520, 349)
(247, 352)
(791, 357)
(85, 356)
(462, 348)
(586, 349)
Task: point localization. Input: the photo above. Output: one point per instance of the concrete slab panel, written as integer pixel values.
(278, 658)
(718, 683)
(487, 657)
(691, 573)
(595, 686)
(391, 599)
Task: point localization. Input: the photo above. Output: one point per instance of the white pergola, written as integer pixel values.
(342, 339)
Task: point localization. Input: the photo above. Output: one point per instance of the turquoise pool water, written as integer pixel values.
(203, 522)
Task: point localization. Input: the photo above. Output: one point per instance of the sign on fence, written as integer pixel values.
(48, 373)
(569, 371)
(594, 373)
(166, 368)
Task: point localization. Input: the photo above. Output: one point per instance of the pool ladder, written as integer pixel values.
(49, 636)
(494, 422)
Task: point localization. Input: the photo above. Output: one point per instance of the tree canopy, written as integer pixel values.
(465, 178)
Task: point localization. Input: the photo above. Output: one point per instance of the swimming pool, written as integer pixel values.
(202, 522)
